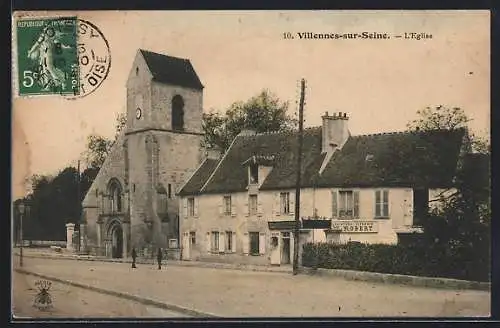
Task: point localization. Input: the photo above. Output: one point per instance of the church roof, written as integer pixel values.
(172, 70)
(402, 159)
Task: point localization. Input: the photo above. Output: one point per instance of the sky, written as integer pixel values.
(380, 84)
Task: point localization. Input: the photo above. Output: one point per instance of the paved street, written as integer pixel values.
(74, 302)
(233, 293)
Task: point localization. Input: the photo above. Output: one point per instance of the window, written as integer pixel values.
(191, 206)
(346, 203)
(227, 205)
(215, 241)
(254, 243)
(252, 204)
(254, 173)
(192, 237)
(382, 203)
(229, 241)
(177, 113)
(285, 202)
(162, 205)
(115, 197)
(169, 191)
(137, 71)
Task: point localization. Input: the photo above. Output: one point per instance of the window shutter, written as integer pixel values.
(292, 246)
(377, 203)
(185, 209)
(233, 245)
(386, 202)
(356, 203)
(233, 207)
(195, 205)
(262, 243)
(221, 207)
(222, 242)
(277, 204)
(208, 242)
(334, 204)
(292, 203)
(247, 208)
(259, 208)
(246, 242)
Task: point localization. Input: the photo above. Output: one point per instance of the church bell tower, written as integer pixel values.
(162, 144)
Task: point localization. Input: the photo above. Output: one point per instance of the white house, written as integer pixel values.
(239, 207)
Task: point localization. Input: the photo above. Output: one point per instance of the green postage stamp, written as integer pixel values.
(47, 56)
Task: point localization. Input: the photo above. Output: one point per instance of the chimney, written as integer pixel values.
(247, 132)
(334, 131)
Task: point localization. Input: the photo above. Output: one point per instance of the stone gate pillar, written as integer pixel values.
(70, 230)
(83, 237)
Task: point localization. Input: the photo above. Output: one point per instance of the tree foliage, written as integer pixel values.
(459, 230)
(262, 113)
(53, 202)
(98, 147)
(447, 118)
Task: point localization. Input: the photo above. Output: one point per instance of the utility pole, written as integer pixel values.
(79, 212)
(297, 187)
(21, 236)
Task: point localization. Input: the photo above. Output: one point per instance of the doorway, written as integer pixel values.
(285, 248)
(254, 243)
(116, 241)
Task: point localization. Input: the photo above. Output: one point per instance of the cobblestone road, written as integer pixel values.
(233, 293)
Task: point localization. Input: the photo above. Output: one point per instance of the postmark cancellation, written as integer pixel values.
(60, 56)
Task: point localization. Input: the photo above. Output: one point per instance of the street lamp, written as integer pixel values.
(21, 208)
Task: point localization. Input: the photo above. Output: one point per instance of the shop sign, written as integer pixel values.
(316, 224)
(355, 226)
(281, 225)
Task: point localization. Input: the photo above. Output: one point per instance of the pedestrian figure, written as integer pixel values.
(159, 257)
(134, 255)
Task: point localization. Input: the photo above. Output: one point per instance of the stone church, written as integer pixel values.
(132, 202)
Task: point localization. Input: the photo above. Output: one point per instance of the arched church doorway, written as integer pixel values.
(116, 237)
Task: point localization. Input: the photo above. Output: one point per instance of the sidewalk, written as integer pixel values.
(49, 254)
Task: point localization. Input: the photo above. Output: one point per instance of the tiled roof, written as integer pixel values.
(172, 70)
(199, 178)
(403, 159)
(397, 159)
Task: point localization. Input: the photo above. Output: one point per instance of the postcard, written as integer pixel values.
(242, 164)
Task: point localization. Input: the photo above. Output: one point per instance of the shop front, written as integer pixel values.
(282, 241)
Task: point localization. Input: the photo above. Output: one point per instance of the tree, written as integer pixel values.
(98, 147)
(456, 234)
(121, 122)
(446, 118)
(97, 150)
(262, 113)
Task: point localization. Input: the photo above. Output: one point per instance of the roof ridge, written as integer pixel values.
(219, 164)
(406, 132)
(164, 55)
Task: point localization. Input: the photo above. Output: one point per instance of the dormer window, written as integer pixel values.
(254, 173)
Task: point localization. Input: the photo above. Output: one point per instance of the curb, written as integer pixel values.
(399, 279)
(142, 300)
